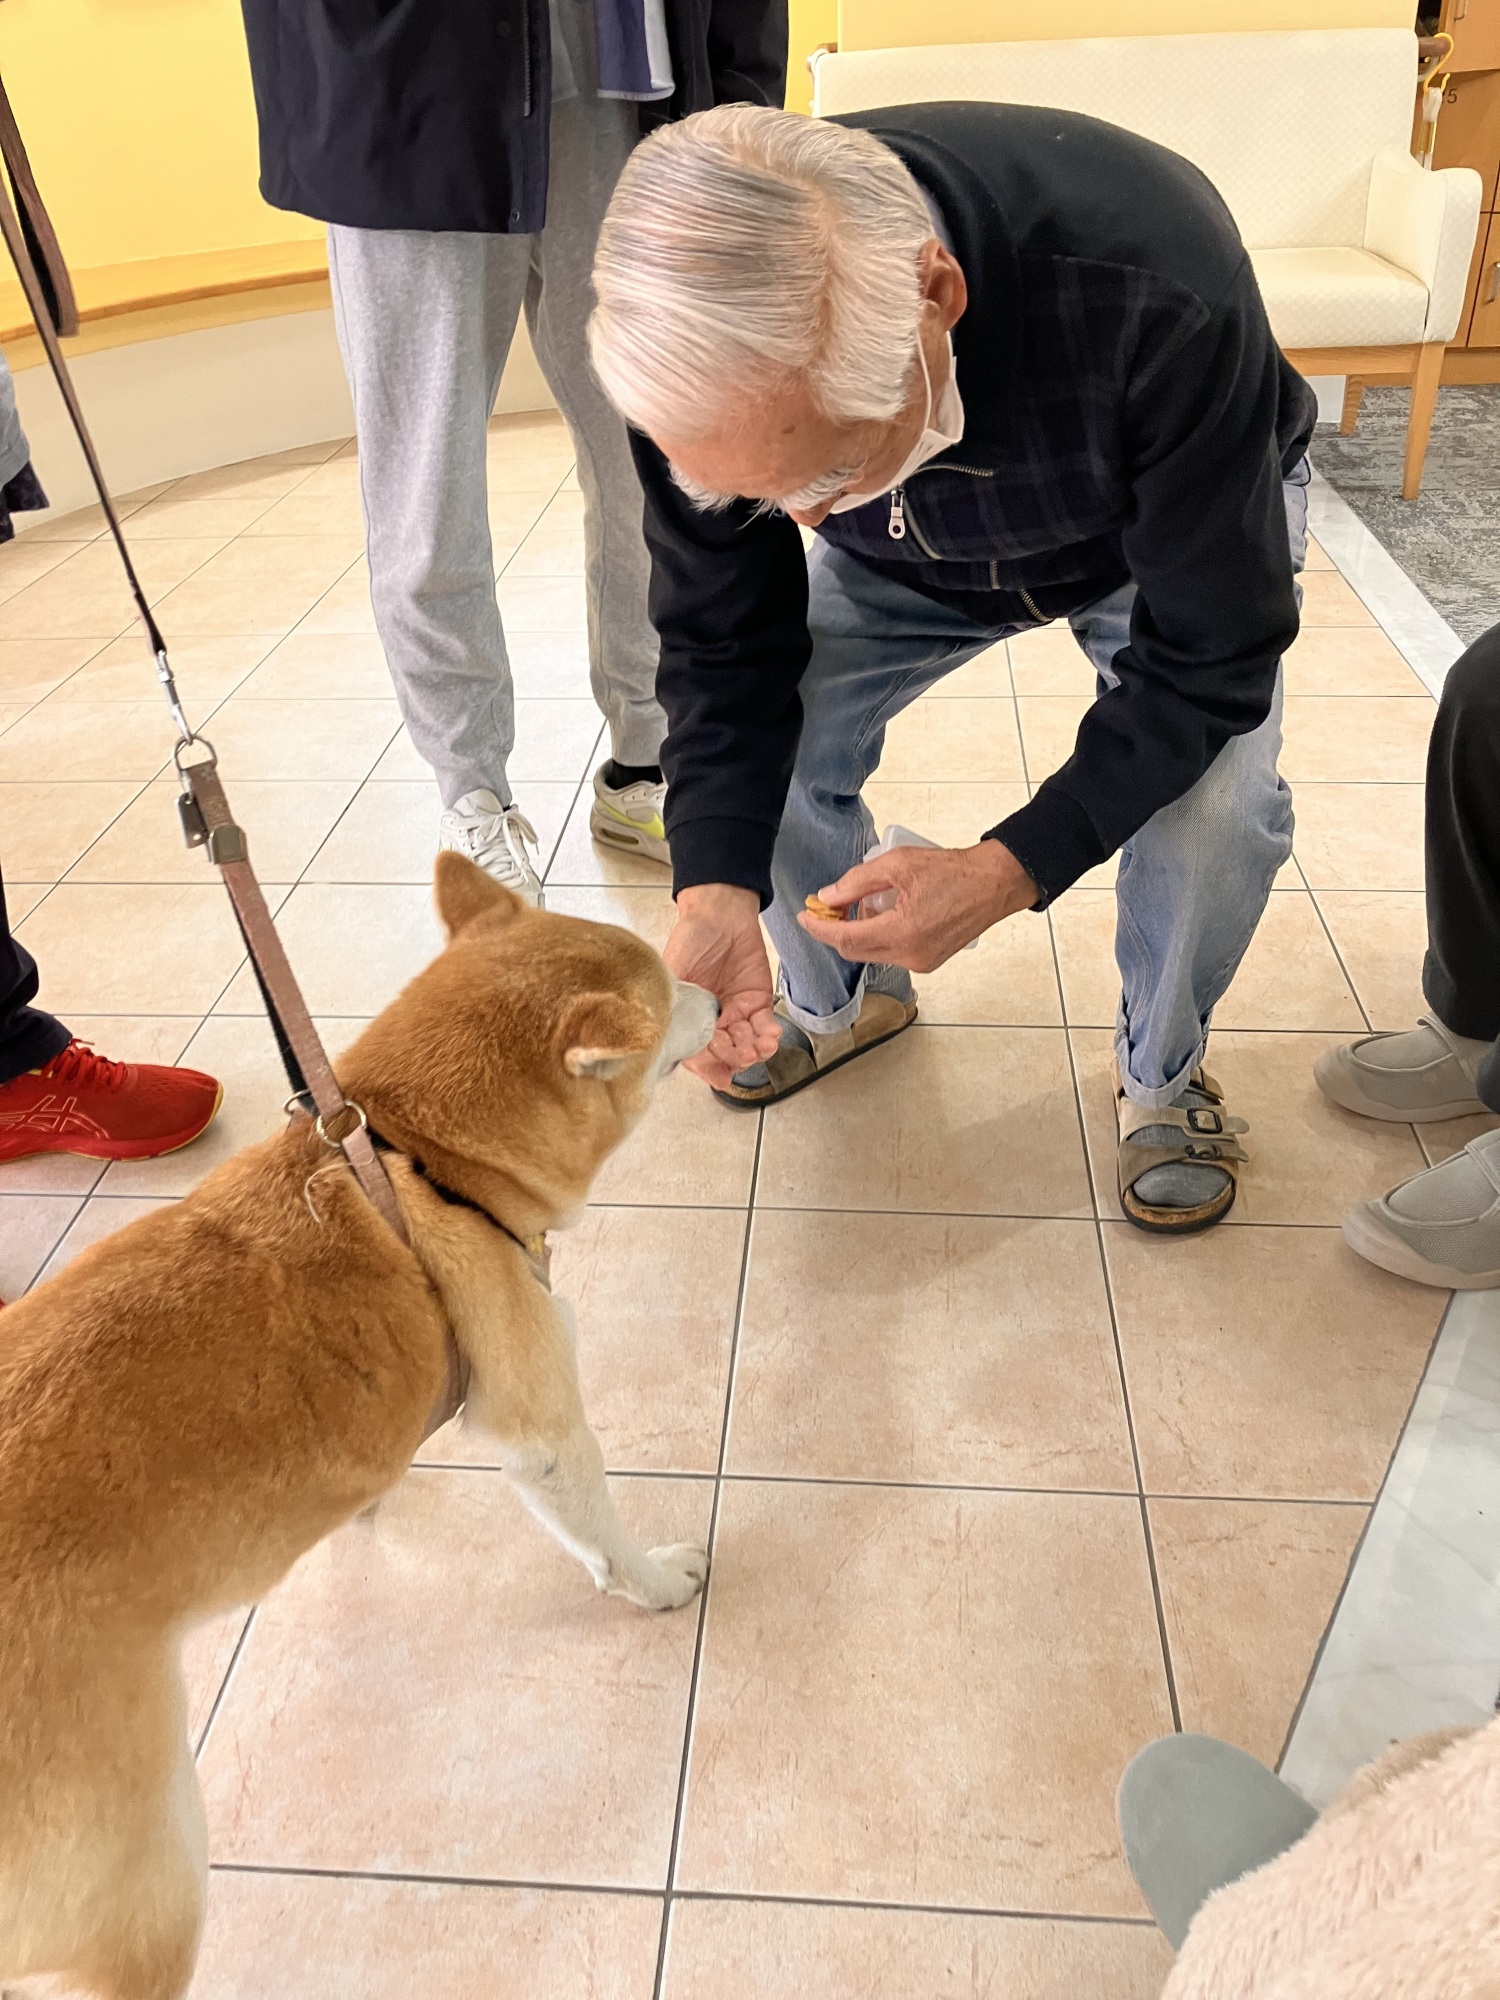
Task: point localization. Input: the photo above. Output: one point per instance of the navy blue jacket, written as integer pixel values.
(435, 114)
(1128, 414)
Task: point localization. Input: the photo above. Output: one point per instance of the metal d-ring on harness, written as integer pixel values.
(207, 821)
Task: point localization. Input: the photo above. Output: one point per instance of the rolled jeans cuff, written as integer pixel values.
(1158, 1096)
(892, 979)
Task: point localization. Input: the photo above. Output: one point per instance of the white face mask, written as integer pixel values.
(940, 428)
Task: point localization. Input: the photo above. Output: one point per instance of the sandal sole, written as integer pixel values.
(1177, 1221)
(774, 1096)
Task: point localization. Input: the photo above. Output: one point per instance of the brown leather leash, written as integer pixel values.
(204, 810)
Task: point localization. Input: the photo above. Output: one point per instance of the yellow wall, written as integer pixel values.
(813, 22)
(898, 24)
(138, 118)
(141, 128)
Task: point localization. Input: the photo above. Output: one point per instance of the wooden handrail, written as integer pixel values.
(108, 291)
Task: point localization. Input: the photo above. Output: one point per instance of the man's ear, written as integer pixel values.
(941, 277)
(599, 1031)
(462, 892)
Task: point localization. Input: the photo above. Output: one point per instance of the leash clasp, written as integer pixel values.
(224, 840)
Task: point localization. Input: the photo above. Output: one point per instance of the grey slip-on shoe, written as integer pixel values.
(1414, 1078)
(1196, 1814)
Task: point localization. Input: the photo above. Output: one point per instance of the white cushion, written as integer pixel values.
(1284, 124)
(1425, 223)
(1337, 297)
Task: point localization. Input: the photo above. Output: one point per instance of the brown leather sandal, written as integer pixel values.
(881, 1017)
(1209, 1138)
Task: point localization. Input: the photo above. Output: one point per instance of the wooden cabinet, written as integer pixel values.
(1475, 28)
(1468, 135)
(1484, 327)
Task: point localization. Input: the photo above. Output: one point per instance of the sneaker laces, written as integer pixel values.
(498, 842)
(80, 1063)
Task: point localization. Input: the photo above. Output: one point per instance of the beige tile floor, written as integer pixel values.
(997, 1488)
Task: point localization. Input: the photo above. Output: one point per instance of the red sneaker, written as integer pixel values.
(84, 1103)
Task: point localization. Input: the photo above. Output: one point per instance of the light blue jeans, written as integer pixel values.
(1192, 883)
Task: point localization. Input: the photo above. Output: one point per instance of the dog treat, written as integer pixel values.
(816, 907)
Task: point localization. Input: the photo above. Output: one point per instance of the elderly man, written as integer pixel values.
(1011, 365)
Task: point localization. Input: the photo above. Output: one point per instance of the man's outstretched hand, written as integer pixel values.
(945, 897)
(716, 942)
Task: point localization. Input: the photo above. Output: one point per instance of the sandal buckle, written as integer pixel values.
(1201, 1119)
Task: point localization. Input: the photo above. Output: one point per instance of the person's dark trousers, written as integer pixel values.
(1461, 973)
(28, 1037)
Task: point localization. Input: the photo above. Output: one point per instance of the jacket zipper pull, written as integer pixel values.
(898, 515)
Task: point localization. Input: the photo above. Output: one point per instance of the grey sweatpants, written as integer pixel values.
(425, 321)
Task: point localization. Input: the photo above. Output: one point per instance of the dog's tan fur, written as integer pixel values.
(196, 1401)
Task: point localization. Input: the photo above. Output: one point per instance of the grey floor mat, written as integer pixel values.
(1448, 541)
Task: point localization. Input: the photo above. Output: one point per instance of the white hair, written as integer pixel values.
(747, 249)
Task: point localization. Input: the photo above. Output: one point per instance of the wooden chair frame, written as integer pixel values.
(1420, 365)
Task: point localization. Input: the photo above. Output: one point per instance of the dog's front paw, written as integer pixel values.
(672, 1577)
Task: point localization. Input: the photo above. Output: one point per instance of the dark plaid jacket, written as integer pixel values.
(1127, 414)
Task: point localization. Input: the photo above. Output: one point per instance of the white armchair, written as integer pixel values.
(1362, 257)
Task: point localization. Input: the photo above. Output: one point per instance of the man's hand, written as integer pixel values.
(716, 942)
(946, 896)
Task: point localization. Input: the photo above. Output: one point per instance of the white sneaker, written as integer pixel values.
(497, 837)
(630, 817)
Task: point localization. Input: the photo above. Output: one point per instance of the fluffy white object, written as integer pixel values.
(1393, 1895)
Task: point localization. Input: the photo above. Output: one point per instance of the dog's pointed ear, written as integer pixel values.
(462, 892)
(599, 1031)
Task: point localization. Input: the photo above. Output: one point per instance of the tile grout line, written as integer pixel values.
(1114, 1328)
(547, 882)
(67, 679)
(553, 495)
(999, 1911)
(1339, 956)
(1364, 1533)
(639, 1893)
(691, 1714)
(218, 1701)
(688, 1476)
(308, 1872)
(769, 1208)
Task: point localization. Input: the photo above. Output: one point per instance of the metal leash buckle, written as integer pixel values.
(224, 840)
(361, 1124)
(194, 825)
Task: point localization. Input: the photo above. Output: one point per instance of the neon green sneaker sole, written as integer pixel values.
(647, 838)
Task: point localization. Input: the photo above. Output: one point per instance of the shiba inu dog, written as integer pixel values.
(194, 1402)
